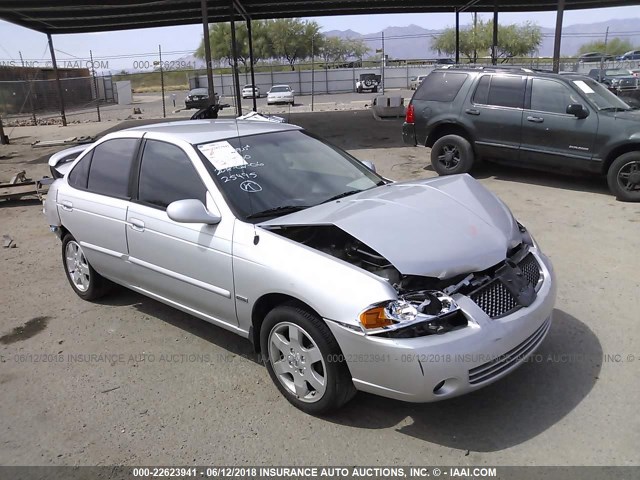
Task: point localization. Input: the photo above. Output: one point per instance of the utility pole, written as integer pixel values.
(383, 62)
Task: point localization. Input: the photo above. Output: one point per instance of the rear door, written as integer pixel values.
(94, 210)
(550, 136)
(495, 110)
(184, 264)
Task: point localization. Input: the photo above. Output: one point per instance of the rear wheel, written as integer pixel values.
(623, 177)
(304, 360)
(85, 281)
(452, 154)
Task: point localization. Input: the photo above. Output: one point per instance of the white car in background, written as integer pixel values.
(280, 94)
(249, 91)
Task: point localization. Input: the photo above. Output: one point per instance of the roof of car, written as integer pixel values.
(202, 131)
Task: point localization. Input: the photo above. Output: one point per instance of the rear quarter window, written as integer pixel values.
(440, 86)
(111, 166)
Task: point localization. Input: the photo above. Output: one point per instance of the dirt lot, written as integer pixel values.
(165, 388)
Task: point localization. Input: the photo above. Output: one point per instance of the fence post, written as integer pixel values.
(95, 84)
(57, 74)
(164, 111)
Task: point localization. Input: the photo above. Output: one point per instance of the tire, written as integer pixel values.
(325, 368)
(452, 154)
(623, 177)
(85, 281)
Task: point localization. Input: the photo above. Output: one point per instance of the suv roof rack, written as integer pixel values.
(490, 68)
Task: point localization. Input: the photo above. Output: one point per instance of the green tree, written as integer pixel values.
(291, 38)
(615, 46)
(335, 49)
(220, 42)
(513, 40)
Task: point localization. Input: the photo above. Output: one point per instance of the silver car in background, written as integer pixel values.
(343, 280)
(280, 94)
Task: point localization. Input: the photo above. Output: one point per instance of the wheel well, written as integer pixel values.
(63, 231)
(616, 152)
(447, 129)
(264, 305)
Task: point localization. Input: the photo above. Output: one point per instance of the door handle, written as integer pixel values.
(136, 224)
(66, 205)
(533, 119)
(472, 111)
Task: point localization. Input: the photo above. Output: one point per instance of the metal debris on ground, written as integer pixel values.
(66, 141)
(8, 242)
(21, 186)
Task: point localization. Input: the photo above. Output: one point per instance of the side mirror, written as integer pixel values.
(369, 165)
(191, 211)
(578, 110)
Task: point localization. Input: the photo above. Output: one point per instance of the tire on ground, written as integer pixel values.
(339, 386)
(98, 285)
(466, 156)
(622, 163)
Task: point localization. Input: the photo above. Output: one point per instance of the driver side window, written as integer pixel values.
(167, 175)
(550, 96)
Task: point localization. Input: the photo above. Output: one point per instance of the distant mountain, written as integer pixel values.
(414, 41)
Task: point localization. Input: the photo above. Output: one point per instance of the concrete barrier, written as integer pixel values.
(388, 106)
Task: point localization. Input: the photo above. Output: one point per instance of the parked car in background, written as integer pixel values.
(368, 82)
(595, 57)
(288, 244)
(250, 91)
(528, 118)
(199, 98)
(615, 78)
(415, 82)
(445, 61)
(280, 94)
(630, 55)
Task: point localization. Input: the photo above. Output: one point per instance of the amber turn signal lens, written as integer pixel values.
(374, 318)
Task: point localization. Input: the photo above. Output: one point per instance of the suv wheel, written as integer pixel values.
(623, 177)
(304, 360)
(452, 154)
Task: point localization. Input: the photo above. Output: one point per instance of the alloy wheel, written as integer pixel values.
(449, 156)
(629, 176)
(77, 266)
(297, 362)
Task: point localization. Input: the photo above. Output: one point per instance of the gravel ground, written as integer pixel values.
(165, 388)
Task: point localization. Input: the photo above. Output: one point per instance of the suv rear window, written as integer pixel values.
(440, 86)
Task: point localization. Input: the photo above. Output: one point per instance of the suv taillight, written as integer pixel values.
(410, 115)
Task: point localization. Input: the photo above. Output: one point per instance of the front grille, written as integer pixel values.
(530, 268)
(496, 300)
(495, 367)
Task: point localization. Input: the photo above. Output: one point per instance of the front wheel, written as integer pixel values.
(85, 281)
(452, 154)
(623, 177)
(304, 360)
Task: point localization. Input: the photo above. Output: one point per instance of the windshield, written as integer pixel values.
(199, 91)
(617, 73)
(271, 174)
(599, 95)
(248, 86)
(280, 89)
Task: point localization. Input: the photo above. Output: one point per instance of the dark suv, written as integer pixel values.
(534, 119)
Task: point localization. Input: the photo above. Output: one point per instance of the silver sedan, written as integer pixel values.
(342, 279)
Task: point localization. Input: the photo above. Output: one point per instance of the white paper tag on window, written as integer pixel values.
(222, 155)
(583, 86)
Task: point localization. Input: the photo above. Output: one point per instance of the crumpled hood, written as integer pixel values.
(439, 227)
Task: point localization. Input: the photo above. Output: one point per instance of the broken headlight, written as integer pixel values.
(422, 312)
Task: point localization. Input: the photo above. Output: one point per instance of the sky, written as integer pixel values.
(135, 48)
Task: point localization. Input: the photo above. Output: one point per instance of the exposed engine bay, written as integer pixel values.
(429, 298)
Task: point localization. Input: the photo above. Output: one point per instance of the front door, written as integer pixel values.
(552, 137)
(184, 264)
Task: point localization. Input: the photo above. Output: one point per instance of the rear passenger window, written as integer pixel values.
(111, 166)
(79, 176)
(506, 91)
(167, 175)
(482, 90)
(440, 86)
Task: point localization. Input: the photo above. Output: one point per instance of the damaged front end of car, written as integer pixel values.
(427, 305)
